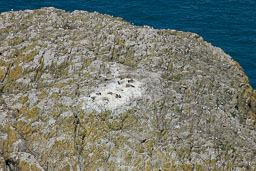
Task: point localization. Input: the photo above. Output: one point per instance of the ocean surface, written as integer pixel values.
(228, 24)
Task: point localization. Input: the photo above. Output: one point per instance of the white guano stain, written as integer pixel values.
(116, 95)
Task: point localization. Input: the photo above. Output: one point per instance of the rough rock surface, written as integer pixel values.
(85, 91)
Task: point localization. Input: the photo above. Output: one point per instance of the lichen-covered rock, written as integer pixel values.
(85, 91)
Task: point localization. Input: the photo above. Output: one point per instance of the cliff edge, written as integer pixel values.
(85, 91)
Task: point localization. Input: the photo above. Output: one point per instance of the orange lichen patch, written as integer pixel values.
(246, 80)
(23, 128)
(237, 65)
(32, 114)
(26, 131)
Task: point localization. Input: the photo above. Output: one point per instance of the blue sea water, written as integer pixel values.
(228, 24)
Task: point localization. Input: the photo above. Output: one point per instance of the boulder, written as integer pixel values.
(86, 91)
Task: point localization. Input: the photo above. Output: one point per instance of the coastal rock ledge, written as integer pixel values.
(86, 91)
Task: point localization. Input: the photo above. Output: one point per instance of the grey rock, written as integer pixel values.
(86, 91)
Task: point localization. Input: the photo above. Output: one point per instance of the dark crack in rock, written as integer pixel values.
(86, 91)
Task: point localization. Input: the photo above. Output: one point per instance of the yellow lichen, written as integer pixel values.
(32, 114)
(23, 109)
(40, 12)
(52, 133)
(170, 67)
(42, 95)
(116, 125)
(2, 74)
(121, 43)
(2, 62)
(66, 168)
(34, 167)
(61, 85)
(23, 128)
(13, 87)
(22, 99)
(237, 65)
(23, 165)
(29, 57)
(52, 67)
(149, 146)
(180, 34)
(15, 41)
(15, 73)
(55, 96)
(253, 115)
(29, 47)
(12, 138)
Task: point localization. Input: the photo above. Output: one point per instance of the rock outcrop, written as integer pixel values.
(85, 91)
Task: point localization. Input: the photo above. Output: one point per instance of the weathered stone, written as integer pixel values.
(85, 91)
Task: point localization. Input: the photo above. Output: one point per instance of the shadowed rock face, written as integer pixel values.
(85, 91)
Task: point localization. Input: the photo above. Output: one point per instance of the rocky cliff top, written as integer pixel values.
(85, 91)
